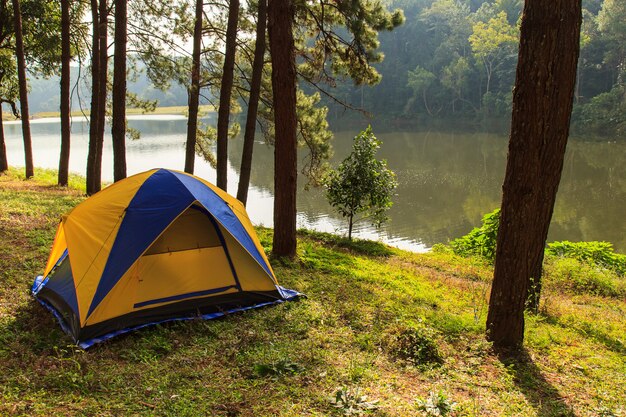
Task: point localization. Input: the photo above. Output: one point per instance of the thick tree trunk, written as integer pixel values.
(4, 164)
(280, 26)
(118, 128)
(21, 74)
(64, 158)
(253, 104)
(542, 104)
(194, 92)
(226, 88)
(94, 113)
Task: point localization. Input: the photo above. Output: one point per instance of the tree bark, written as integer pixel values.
(194, 92)
(102, 85)
(21, 74)
(226, 88)
(92, 155)
(4, 164)
(253, 104)
(280, 26)
(64, 158)
(118, 128)
(542, 105)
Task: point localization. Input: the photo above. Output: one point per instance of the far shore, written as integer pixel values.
(159, 111)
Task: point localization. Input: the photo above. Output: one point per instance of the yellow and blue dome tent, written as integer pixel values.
(157, 246)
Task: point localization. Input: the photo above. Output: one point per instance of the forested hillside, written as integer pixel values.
(456, 60)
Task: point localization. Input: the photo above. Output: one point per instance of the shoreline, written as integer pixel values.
(159, 111)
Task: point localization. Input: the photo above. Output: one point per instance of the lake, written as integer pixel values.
(447, 181)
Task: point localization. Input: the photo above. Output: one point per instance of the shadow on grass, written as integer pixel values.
(33, 331)
(359, 246)
(528, 378)
(588, 330)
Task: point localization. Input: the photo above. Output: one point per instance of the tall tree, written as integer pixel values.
(253, 103)
(226, 88)
(21, 73)
(103, 50)
(612, 24)
(94, 155)
(64, 159)
(194, 91)
(282, 49)
(8, 93)
(542, 105)
(118, 128)
(491, 43)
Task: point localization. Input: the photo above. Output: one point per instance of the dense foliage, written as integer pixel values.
(457, 59)
(480, 241)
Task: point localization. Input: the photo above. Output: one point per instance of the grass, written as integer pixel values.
(131, 111)
(371, 316)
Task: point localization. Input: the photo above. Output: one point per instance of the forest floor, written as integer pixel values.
(392, 325)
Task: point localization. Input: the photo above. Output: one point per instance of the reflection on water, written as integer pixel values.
(446, 181)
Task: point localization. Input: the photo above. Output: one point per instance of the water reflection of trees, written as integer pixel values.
(448, 181)
(592, 194)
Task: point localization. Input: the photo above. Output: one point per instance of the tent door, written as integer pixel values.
(189, 260)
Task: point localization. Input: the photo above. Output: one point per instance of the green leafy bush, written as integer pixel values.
(481, 241)
(573, 275)
(600, 254)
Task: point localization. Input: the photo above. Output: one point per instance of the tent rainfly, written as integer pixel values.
(157, 246)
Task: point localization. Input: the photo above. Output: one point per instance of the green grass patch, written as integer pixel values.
(380, 330)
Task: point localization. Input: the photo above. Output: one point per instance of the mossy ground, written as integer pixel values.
(359, 296)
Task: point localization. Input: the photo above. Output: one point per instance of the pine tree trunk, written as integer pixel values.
(21, 73)
(118, 128)
(280, 23)
(102, 85)
(542, 104)
(253, 104)
(94, 113)
(194, 92)
(226, 88)
(4, 164)
(64, 158)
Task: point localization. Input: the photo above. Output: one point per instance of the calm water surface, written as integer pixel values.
(447, 181)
